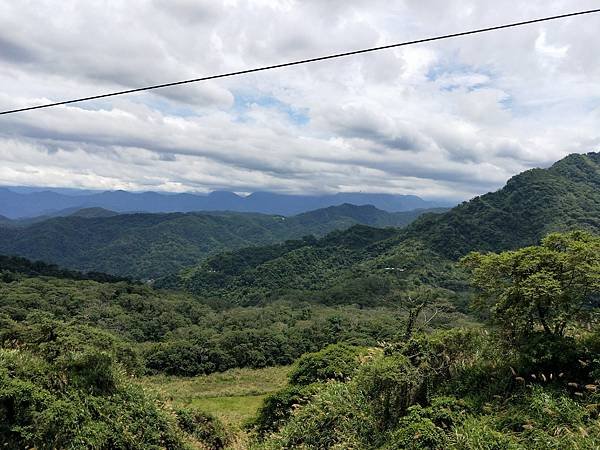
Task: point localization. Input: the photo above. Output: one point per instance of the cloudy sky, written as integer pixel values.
(446, 120)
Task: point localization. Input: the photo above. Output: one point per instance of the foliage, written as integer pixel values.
(366, 266)
(334, 419)
(334, 362)
(12, 267)
(77, 401)
(152, 245)
(278, 407)
(401, 401)
(179, 334)
(204, 427)
(363, 266)
(417, 434)
(537, 202)
(72, 346)
(549, 287)
(389, 385)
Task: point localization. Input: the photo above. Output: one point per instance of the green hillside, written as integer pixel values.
(368, 265)
(152, 245)
(362, 265)
(11, 266)
(536, 202)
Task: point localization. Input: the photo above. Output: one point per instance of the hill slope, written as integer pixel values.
(364, 264)
(151, 245)
(532, 204)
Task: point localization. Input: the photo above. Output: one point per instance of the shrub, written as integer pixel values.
(335, 362)
(48, 405)
(336, 418)
(205, 427)
(417, 434)
(389, 384)
(277, 408)
(548, 353)
(477, 433)
(52, 339)
(181, 358)
(92, 372)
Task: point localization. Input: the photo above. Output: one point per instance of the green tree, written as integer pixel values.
(547, 287)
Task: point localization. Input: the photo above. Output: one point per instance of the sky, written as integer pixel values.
(446, 120)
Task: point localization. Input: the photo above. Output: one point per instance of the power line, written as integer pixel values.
(306, 61)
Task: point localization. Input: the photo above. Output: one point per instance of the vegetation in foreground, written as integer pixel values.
(73, 346)
(533, 383)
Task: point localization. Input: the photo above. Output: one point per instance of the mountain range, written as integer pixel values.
(243, 257)
(147, 245)
(25, 203)
(366, 265)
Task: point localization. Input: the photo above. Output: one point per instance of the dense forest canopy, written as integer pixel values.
(151, 245)
(561, 198)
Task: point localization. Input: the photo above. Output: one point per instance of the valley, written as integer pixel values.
(346, 327)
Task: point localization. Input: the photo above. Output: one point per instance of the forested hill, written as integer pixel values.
(363, 264)
(563, 197)
(152, 245)
(13, 265)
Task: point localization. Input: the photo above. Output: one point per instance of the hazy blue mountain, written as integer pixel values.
(27, 202)
(93, 212)
(5, 221)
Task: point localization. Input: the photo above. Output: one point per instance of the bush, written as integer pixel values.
(335, 362)
(52, 339)
(205, 427)
(49, 405)
(277, 408)
(419, 434)
(91, 372)
(477, 433)
(547, 353)
(336, 418)
(181, 358)
(390, 384)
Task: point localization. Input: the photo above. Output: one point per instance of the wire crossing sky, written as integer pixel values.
(306, 61)
(446, 120)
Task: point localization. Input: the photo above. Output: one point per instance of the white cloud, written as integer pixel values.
(449, 119)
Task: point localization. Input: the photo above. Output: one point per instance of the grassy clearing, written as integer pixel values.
(233, 396)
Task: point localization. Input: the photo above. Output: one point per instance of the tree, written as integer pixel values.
(547, 287)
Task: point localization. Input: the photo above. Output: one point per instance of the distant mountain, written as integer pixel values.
(28, 203)
(345, 215)
(364, 264)
(151, 245)
(5, 221)
(93, 213)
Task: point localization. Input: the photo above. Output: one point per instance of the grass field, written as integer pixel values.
(233, 396)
